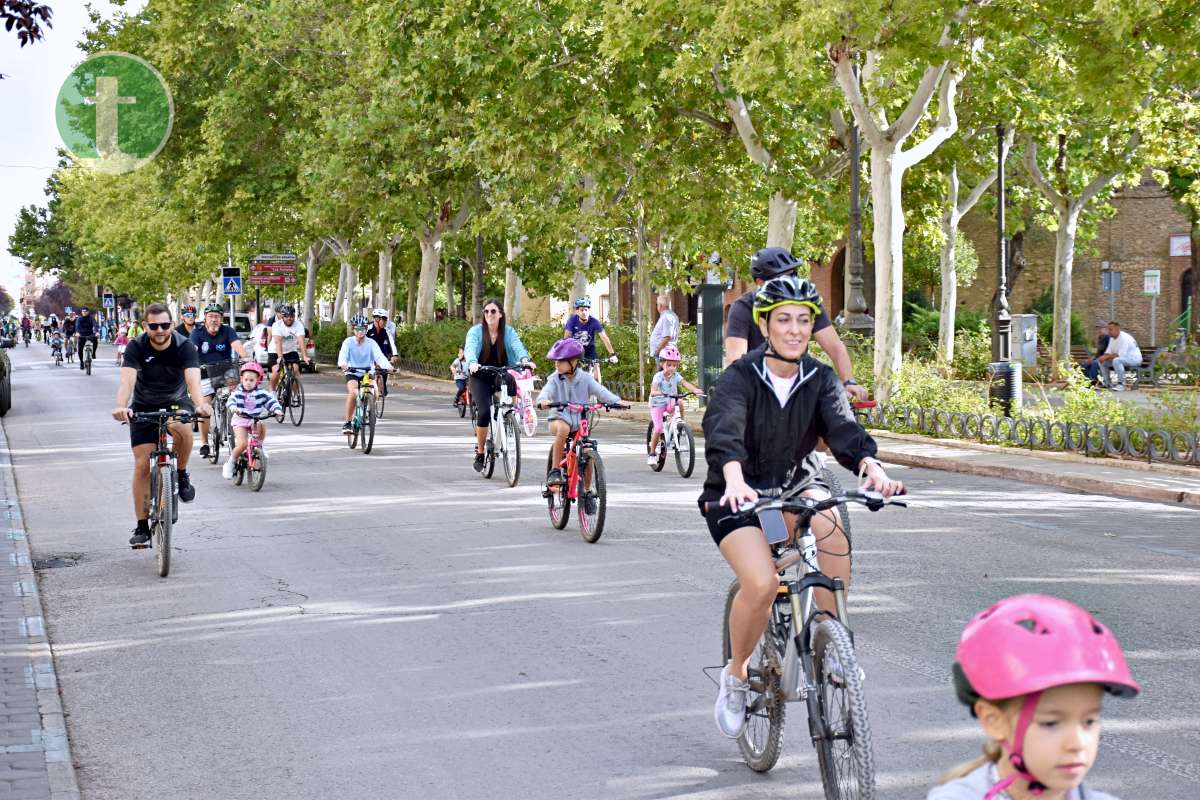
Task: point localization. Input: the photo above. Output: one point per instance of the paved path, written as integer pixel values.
(394, 626)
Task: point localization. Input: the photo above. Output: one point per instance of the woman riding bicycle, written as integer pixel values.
(491, 343)
(767, 411)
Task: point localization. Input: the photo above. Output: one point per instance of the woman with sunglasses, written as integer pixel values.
(492, 343)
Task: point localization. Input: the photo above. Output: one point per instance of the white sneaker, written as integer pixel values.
(730, 710)
(1120, 387)
(652, 460)
(227, 470)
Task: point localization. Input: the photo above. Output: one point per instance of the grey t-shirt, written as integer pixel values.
(976, 784)
(667, 327)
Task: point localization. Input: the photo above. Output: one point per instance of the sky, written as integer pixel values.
(28, 136)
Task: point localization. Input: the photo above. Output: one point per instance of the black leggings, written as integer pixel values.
(482, 388)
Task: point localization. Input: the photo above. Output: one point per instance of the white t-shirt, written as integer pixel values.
(1124, 347)
(667, 327)
(289, 335)
(260, 348)
(782, 386)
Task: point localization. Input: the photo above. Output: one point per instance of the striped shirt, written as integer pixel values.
(253, 403)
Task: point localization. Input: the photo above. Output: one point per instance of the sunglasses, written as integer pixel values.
(491, 311)
(360, 330)
(158, 326)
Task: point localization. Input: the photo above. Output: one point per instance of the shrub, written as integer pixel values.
(328, 337)
(972, 354)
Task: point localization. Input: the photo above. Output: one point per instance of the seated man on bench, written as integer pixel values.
(1121, 354)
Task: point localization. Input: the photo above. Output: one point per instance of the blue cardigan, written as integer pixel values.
(514, 351)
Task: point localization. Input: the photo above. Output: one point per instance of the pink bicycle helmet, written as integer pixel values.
(252, 366)
(1029, 643)
(565, 350)
(670, 353)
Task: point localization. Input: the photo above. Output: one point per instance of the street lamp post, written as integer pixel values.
(1002, 324)
(857, 318)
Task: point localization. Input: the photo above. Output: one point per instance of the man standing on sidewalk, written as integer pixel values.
(1121, 354)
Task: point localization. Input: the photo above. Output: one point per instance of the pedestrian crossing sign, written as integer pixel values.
(232, 285)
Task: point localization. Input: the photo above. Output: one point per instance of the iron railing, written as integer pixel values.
(1144, 444)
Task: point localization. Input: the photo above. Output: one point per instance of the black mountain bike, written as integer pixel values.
(164, 496)
(806, 654)
(291, 393)
(85, 358)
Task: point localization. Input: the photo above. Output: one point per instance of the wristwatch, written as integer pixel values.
(849, 382)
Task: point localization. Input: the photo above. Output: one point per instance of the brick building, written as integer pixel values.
(1149, 225)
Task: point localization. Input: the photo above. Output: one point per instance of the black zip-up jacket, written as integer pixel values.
(745, 423)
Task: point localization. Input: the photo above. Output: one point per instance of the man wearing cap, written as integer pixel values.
(742, 335)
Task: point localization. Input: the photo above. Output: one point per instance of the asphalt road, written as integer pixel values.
(394, 626)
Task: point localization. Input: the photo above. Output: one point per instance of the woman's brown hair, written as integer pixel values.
(486, 352)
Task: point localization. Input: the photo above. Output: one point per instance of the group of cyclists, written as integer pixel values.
(1031, 669)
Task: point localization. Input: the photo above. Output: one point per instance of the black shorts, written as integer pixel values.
(147, 432)
(354, 376)
(288, 358)
(719, 528)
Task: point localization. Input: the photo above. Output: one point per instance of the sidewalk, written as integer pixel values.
(1159, 483)
(35, 758)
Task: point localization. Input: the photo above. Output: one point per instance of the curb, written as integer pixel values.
(1065, 481)
(54, 742)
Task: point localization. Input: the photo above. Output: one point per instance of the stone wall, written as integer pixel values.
(1136, 239)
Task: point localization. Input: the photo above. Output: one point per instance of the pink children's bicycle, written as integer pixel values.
(524, 406)
(251, 465)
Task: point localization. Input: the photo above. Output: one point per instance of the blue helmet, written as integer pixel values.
(359, 321)
(583, 302)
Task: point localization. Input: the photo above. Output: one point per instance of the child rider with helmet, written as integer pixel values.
(249, 400)
(1034, 669)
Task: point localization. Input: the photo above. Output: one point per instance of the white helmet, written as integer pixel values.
(380, 312)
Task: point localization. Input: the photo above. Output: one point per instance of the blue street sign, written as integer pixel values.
(110, 301)
(231, 286)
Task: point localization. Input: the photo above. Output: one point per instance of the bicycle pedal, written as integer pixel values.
(145, 546)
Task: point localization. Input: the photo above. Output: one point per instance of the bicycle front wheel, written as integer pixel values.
(592, 503)
(164, 523)
(557, 501)
(761, 741)
(368, 431)
(685, 450)
(844, 750)
(296, 407)
(489, 451)
(87, 359)
(512, 449)
(257, 467)
(835, 488)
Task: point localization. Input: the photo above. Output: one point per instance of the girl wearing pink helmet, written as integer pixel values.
(666, 382)
(1034, 669)
(249, 400)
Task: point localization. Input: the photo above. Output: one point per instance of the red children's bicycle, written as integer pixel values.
(583, 476)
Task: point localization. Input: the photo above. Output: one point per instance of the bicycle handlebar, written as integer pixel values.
(683, 396)
(808, 505)
(164, 414)
(588, 406)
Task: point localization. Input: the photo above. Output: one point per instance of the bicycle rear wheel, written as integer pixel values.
(685, 450)
(87, 358)
(382, 400)
(368, 430)
(844, 750)
(761, 741)
(164, 522)
(591, 520)
(512, 449)
(256, 465)
(557, 502)
(296, 407)
(662, 450)
(214, 437)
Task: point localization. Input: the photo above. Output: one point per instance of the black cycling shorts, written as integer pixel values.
(719, 528)
(147, 432)
(288, 358)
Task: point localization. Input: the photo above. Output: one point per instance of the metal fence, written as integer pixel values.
(1174, 447)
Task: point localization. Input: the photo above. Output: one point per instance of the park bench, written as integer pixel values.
(1148, 370)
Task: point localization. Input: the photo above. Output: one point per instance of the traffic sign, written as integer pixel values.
(1152, 283)
(271, 280)
(109, 301)
(231, 285)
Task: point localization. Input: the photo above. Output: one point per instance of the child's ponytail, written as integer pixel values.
(991, 755)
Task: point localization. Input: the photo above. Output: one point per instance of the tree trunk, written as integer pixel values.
(888, 237)
(1064, 265)
(339, 297)
(410, 309)
(1195, 306)
(512, 286)
(781, 221)
(449, 280)
(431, 259)
(311, 265)
(949, 270)
(477, 287)
(352, 299)
(384, 294)
(206, 290)
(614, 296)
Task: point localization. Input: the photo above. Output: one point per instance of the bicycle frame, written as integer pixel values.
(573, 453)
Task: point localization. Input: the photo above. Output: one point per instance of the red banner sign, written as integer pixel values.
(270, 280)
(273, 267)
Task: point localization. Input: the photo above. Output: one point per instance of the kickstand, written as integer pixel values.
(708, 673)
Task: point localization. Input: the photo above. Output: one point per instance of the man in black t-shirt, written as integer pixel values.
(161, 369)
(217, 344)
(85, 331)
(742, 334)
